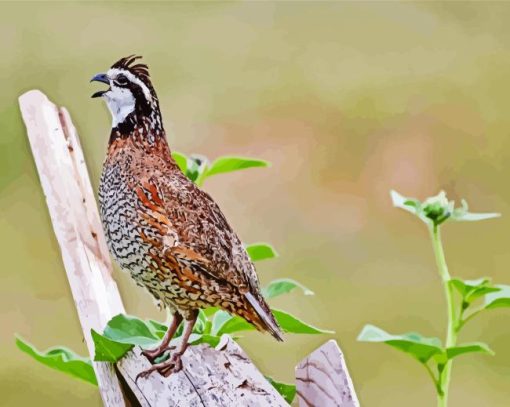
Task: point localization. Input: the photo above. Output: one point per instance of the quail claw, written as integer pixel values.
(176, 367)
(152, 354)
(166, 368)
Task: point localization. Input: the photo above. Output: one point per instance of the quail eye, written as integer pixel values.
(121, 80)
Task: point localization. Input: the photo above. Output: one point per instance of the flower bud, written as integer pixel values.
(437, 208)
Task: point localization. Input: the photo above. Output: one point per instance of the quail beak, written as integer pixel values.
(100, 77)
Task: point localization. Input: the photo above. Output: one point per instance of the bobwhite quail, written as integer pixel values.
(160, 227)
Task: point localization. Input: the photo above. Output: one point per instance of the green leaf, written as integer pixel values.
(463, 215)
(180, 330)
(61, 359)
(128, 329)
(219, 319)
(197, 168)
(473, 217)
(468, 348)
(157, 327)
(287, 391)
(226, 324)
(411, 205)
(232, 325)
(107, 350)
(181, 160)
(283, 286)
(229, 164)
(473, 289)
(289, 323)
(465, 286)
(420, 347)
(498, 299)
(211, 340)
(202, 323)
(209, 312)
(261, 251)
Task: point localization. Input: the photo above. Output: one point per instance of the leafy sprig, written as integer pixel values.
(462, 297)
(198, 168)
(437, 209)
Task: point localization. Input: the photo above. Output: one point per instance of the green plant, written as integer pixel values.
(123, 331)
(464, 298)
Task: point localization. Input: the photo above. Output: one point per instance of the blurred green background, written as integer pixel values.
(347, 100)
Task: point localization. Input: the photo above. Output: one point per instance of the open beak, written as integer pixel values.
(100, 77)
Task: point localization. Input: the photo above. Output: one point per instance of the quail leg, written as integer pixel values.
(152, 354)
(174, 364)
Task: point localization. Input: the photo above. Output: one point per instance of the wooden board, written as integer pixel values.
(221, 376)
(322, 379)
(73, 211)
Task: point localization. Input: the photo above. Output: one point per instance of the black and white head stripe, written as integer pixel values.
(122, 78)
(131, 98)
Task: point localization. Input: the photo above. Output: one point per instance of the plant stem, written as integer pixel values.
(451, 335)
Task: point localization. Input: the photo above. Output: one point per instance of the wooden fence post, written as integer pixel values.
(74, 216)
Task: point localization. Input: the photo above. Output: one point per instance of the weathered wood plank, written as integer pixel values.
(322, 379)
(221, 376)
(71, 205)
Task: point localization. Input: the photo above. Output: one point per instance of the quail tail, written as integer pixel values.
(265, 318)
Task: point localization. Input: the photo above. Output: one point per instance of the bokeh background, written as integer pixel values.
(347, 100)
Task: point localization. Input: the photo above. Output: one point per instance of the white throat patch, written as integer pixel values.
(121, 103)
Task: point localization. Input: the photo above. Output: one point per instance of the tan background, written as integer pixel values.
(347, 100)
